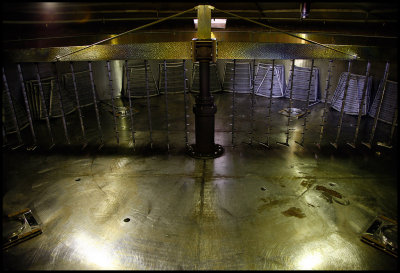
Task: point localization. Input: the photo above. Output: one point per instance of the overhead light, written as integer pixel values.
(305, 9)
(215, 23)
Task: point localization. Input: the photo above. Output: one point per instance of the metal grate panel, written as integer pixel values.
(83, 85)
(137, 81)
(7, 118)
(389, 103)
(262, 81)
(301, 78)
(175, 78)
(354, 94)
(51, 99)
(242, 77)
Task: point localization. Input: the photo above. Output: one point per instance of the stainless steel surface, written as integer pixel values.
(112, 100)
(260, 209)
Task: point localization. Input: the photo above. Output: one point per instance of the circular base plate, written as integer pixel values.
(218, 151)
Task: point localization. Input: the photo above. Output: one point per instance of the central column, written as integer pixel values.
(204, 109)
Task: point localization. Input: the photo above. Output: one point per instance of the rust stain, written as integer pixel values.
(293, 211)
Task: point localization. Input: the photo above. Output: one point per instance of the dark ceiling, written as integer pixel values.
(34, 21)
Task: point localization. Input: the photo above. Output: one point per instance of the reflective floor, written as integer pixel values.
(255, 207)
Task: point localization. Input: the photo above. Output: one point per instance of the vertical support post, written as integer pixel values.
(44, 105)
(185, 105)
(290, 106)
(112, 102)
(364, 91)
(204, 109)
(78, 106)
(324, 113)
(270, 102)
(378, 111)
(393, 128)
(128, 89)
(346, 87)
(10, 102)
(252, 104)
(21, 79)
(58, 84)
(307, 105)
(148, 104)
(166, 102)
(95, 104)
(233, 103)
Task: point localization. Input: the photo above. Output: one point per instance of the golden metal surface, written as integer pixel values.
(182, 50)
(204, 21)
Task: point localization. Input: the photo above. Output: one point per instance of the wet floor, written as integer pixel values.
(252, 208)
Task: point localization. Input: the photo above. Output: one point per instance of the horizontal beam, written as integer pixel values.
(182, 50)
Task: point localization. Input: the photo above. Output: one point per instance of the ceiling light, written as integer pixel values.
(304, 10)
(215, 23)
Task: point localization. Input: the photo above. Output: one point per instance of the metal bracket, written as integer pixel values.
(204, 50)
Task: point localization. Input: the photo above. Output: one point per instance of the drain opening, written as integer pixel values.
(127, 220)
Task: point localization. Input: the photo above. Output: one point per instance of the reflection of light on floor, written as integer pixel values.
(93, 252)
(309, 261)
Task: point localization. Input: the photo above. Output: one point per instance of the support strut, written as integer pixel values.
(204, 109)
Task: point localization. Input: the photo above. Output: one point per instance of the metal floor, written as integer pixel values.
(252, 208)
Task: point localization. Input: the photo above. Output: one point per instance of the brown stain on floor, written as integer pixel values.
(328, 191)
(293, 211)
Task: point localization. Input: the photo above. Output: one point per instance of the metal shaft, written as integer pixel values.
(307, 105)
(44, 105)
(252, 104)
(112, 102)
(58, 84)
(270, 102)
(290, 105)
(364, 91)
(324, 113)
(128, 89)
(21, 79)
(166, 101)
(185, 105)
(95, 102)
(148, 104)
(346, 87)
(385, 77)
(233, 102)
(10, 102)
